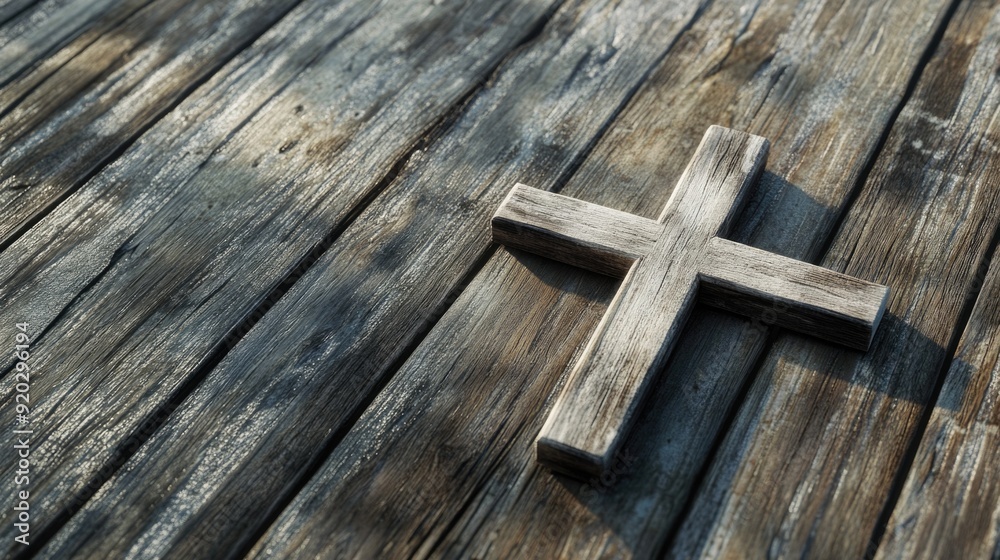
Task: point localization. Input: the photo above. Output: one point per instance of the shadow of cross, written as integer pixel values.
(665, 264)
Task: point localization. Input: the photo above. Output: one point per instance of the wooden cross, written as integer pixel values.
(665, 264)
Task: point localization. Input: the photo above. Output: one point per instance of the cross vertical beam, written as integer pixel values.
(667, 264)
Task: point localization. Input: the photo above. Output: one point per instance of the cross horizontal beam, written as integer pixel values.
(735, 277)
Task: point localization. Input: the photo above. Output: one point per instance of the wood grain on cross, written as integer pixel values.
(667, 263)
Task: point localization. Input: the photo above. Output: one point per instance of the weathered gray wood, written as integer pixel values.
(593, 412)
(471, 444)
(231, 452)
(817, 446)
(456, 424)
(74, 111)
(800, 296)
(762, 64)
(591, 416)
(950, 505)
(591, 236)
(140, 274)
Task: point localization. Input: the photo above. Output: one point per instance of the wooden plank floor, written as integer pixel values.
(248, 245)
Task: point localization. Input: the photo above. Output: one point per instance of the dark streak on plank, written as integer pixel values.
(950, 504)
(145, 271)
(13, 8)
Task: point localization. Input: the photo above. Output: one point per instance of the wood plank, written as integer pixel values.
(794, 295)
(732, 276)
(230, 454)
(82, 106)
(134, 280)
(816, 447)
(633, 341)
(766, 66)
(950, 504)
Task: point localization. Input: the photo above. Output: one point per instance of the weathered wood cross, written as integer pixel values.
(665, 264)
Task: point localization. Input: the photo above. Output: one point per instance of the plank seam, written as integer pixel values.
(587, 149)
(558, 184)
(869, 166)
(34, 65)
(144, 432)
(434, 132)
(253, 534)
(215, 356)
(97, 78)
(66, 40)
(147, 429)
(716, 447)
(246, 544)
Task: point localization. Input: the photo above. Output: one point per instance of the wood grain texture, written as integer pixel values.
(576, 232)
(232, 451)
(466, 455)
(950, 505)
(136, 278)
(799, 296)
(816, 447)
(76, 110)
